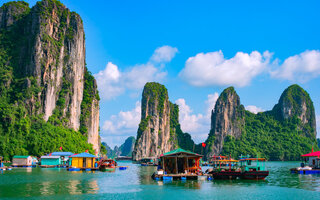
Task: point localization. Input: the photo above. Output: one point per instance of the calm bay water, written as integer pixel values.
(136, 183)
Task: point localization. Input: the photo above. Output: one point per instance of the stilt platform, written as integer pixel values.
(82, 169)
(181, 176)
(304, 171)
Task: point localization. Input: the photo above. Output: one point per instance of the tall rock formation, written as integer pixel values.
(47, 43)
(284, 133)
(296, 102)
(227, 119)
(155, 135)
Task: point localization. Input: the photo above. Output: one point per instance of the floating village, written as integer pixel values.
(178, 164)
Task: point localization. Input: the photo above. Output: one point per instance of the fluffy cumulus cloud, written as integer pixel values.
(206, 69)
(125, 123)
(198, 125)
(254, 109)
(213, 69)
(164, 54)
(108, 81)
(113, 82)
(300, 68)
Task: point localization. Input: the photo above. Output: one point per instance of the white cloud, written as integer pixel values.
(301, 67)
(211, 102)
(198, 125)
(254, 109)
(108, 80)
(136, 77)
(124, 123)
(207, 69)
(164, 54)
(112, 82)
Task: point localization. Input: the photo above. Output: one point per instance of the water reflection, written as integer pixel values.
(136, 182)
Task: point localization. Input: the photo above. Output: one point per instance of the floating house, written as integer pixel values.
(22, 161)
(313, 159)
(311, 164)
(179, 164)
(50, 161)
(83, 161)
(64, 156)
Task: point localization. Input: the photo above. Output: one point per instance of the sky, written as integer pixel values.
(197, 49)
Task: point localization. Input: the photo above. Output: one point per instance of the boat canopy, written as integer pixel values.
(231, 160)
(312, 154)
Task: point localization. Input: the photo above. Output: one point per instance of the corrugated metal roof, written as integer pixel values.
(60, 154)
(179, 150)
(50, 157)
(83, 155)
(20, 156)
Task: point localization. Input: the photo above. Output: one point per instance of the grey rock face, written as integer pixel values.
(52, 57)
(226, 119)
(296, 102)
(154, 136)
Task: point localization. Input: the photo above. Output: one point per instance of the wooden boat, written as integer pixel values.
(107, 165)
(226, 169)
(148, 162)
(253, 168)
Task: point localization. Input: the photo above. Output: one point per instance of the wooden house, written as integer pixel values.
(50, 161)
(179, 164)
(83, 161)
(22, 161)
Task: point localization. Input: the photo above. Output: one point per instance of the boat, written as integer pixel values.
(217, 160)
(107, 165)
(226, 169)
(148, 162)
(310, 165)
(253, 168)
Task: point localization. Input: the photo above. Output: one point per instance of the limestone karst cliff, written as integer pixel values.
(43, 66)
(284, 133)
(226, 119)
(155, 135)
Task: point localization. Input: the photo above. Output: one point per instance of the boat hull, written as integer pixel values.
(255, 175)
(226, 175)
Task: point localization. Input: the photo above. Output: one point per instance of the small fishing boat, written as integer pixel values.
(148, 162)
(253, 168)
(226, 169)
(107, 165)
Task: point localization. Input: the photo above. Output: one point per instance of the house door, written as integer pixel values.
(84, 162)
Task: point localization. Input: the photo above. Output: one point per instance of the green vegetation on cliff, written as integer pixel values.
(270, 138)
(22, 127)
(284, 133)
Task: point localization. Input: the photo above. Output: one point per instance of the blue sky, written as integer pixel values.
(196, 49)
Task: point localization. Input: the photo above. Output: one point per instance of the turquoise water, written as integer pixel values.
(136, 183)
